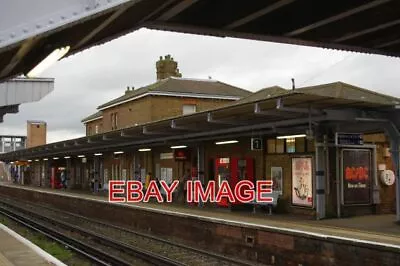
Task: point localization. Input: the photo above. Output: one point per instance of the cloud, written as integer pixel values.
(92, 77)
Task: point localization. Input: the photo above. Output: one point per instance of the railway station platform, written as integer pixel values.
(16, 250)
(374, 238)
(378, 229)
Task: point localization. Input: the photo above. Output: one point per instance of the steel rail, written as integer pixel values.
(93, 254)
(142, 254)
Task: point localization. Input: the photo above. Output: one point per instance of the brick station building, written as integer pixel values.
(330, 149)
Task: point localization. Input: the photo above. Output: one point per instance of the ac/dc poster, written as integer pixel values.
(356, 176)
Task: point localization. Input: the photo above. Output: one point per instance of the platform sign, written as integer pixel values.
(166, 156)
(349, 139)
(302, 190)
(256, 144)
(181, 155)
(223, 160)
(356, 176)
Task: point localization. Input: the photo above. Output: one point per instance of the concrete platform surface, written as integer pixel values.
(378, 230)
(18, 251)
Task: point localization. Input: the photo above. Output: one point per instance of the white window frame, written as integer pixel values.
(193, 110)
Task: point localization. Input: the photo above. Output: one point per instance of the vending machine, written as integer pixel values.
(233, 170)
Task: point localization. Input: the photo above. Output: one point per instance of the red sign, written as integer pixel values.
(356, 173)
(181, 155)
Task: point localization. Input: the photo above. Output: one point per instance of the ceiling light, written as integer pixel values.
(67, 157)
(118, 152)
(53, 57)
(291, 136)
(226, 142)
(81, 156)
(29, 161)
(146, 149)
(36, 160)
(55, 158)
(178, 147)
(45, 159)
(98, 154)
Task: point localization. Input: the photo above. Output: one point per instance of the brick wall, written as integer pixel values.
(149, 108)
(36, 134)
(387, 193)
(129, 114)
(91, 127)
(164, 106)
(285, 161)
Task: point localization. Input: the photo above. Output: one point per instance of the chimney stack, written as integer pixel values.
(36, 133)
(167, 67)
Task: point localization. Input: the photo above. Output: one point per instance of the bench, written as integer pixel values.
(275, 196)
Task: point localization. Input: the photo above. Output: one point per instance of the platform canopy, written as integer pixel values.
(30, 30)
(22, 90)
(269, 112)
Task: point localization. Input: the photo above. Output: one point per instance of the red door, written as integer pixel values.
(223, 172)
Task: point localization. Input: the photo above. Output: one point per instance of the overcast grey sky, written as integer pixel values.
(92, 77)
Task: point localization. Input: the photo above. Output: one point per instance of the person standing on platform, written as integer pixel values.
(96, 182)
(91, 181)
(147, 181)
(63, 180)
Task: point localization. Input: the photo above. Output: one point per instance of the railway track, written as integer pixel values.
(158, 251)
(96, 256)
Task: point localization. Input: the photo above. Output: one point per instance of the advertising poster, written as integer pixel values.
(169, 176)
(356, 176)
(277, 179)
(302, 190)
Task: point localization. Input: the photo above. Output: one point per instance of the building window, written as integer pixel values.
(89, 130)
(114, 121)
(97, 129)
(291, 145)
(188, 109)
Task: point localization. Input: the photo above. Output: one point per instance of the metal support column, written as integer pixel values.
(320, 153)
(200, 163)
(200, 166)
